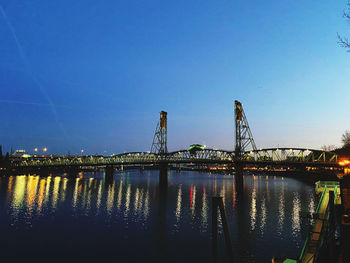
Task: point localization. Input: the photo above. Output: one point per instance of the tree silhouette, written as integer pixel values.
(344, 41)
(346, 139)
(328, 148)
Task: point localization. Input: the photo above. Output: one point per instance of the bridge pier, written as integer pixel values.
(162, 208)
(239, 177)
(163, 175)
(44, 171)
(72, 173)
(109, 174)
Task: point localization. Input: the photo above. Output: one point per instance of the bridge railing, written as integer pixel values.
(291, 155)
(206, 154)
(316, 238)
(210, 155)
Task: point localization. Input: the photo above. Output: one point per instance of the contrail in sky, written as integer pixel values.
(30, 71)
(31, 103)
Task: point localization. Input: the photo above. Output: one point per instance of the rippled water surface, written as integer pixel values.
(86, 219)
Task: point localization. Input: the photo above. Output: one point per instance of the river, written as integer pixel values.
(84, 219)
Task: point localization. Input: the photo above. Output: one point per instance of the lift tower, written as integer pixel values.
(244, 137)
(159, 144)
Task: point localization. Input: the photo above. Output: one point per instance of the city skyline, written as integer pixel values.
(95, 77)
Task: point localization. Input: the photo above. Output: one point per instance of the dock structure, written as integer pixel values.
(323, 224)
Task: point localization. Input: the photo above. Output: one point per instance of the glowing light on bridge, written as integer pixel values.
(344, 162)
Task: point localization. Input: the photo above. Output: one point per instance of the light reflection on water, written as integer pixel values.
(281, 209)
(296, 214)
(253, 207)
(129, 206)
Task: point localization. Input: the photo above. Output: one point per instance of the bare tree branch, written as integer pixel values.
(346, 138)
(346, 13)
(344, 41)
(328, 148)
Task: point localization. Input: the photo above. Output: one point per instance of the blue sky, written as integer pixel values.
(94, 75)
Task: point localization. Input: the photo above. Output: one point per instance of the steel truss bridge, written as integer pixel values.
(282, 157)
(263, 157)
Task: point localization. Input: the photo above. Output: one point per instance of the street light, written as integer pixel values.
(45, 149)
(35, 149)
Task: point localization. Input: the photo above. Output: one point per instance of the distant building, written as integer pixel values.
(18, 153)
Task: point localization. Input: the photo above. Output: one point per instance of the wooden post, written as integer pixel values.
(219, 203)
(214, 229)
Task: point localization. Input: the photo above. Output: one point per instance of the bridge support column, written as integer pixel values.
(44, 171)
(109, 173)
(163, 175)
(162, 208)
(239, 177)
(301, 168)
(72, 172)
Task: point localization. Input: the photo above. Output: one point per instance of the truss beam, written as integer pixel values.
(159, 145)
(244, 137)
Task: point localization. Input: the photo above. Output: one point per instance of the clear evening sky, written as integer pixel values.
(94, 75)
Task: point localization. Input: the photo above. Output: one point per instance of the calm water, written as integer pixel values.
(85, 219)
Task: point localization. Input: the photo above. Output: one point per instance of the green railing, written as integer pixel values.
(323, 234)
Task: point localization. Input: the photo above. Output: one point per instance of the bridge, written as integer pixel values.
(273, 156)
(245, 155)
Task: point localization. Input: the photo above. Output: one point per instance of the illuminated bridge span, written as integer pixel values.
(277, 156)
(159, 155)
